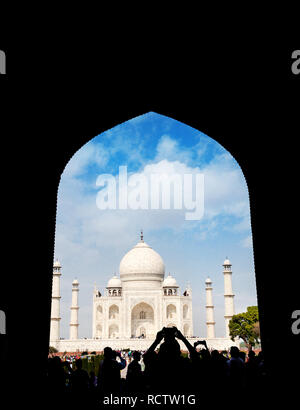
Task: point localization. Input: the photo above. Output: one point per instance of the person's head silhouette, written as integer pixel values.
(108, 353)
(204, 354)
(234, 351)
(78, 364)
(242, 355)
(169, 350)
(215, 354)
(136, 356)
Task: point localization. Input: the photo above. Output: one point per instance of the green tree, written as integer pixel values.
(245, 326)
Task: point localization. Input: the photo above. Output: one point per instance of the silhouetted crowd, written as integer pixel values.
(164, 369)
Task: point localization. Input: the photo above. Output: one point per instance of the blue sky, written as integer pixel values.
(91, 242)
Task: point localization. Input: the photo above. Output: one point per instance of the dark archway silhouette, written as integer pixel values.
(245, 118)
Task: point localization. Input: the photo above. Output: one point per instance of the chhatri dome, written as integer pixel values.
(114, 282)
(170, 281)
(226, 262)
(142, 263)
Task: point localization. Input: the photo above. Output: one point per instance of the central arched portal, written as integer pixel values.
(142, 320)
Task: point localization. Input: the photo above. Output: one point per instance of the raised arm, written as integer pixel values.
(201, 342)
(158, 339)
(190, 348)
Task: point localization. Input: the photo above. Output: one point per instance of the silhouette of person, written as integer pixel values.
(251, 368)
(79, 379)
(150, 359)
(217, 371)
(242, 356)
(56, 376)
(201, 367)
(93, 392)
(109, 377)
(236, 368)
(170, 370)
(261, 366)
(134, 375)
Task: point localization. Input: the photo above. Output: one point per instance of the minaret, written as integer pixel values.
(74, 310)
(228, 295)
(210, 323)
(55, 303)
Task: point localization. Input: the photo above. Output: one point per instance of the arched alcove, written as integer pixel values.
(113, 331)
(99, 312)
(186, 329)
(171, 311)
(142, 317)
(185, 311)
(113, 312)
(99, 331)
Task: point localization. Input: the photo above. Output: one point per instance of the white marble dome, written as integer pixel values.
(114, 282)
(170, 281)
(142, 263)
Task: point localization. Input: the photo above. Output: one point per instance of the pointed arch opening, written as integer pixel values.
(185, 311)
(171, 311)
(142, 320)
(92, 232)
(113, 312)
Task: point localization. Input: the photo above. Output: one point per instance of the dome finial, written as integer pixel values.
(227, 262)
(142, 236)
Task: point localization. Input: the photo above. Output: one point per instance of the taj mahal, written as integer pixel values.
(137, 304)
